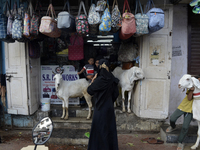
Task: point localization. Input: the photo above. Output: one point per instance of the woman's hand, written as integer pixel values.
(94, 78)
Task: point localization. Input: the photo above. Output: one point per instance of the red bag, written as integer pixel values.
(128, 23)
(34, 49)
(46, 89)
(75, 51)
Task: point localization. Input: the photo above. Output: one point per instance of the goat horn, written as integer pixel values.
(54, 73)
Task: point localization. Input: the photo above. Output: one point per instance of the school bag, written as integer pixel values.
(105, 25)
(82, 27)
(142, 21)
(156, 17)
(66, 21)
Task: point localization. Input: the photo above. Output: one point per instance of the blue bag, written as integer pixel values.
(156, 17)
(105, 25)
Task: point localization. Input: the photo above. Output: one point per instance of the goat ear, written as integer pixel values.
(54, 73)
(196, 82)
(61, 72)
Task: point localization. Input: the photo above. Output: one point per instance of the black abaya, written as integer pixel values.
(103, 135)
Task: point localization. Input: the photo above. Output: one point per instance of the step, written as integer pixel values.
(73, 111)
(71, 131)
(173, 136)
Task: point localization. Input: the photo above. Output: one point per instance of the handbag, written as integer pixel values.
(17, 25)
(3, 22)
(128, 23)
(35, 20)
(10, 22)
(46, 89)
(156, 17)
(27, 21)
(116, 21)
(93, 19)
(66, 21)
(105, 25)
(82, 27)
(101, 5)
(48, 24)
(127, 52)
(75, 51)
(142, 21)
(34, 50)
(45, 95)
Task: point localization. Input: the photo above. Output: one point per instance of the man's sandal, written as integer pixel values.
(170, 129)
(180, 146)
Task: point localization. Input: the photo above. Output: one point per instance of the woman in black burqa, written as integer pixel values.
(103, 135)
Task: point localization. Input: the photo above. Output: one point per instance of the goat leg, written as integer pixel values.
(66, 116)
(129, 101)
(63, 115)
(123, 100)
(198, 138)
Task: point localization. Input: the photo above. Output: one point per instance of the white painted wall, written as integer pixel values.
(179, 63)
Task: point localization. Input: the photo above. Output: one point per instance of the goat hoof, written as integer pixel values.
(62, 118)
(123, 110)
(129, 111)
(194, 147)
(88, 118)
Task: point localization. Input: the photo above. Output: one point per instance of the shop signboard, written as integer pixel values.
(48, 84)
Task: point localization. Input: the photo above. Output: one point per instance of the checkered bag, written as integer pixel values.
(3, 22)
(116, 21)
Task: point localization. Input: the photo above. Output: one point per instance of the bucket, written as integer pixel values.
(45, 104)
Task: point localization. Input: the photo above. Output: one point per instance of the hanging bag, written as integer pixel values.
(3, 22)
(156, 17)
(94, 19)
(127, 52)
(101, 5)
(27, 20)
(142, 21)
(17, 27)
(34, 51)
(128, 23)
(105, 25)
(35, 20)
(10, 22)
(48, 24)
(66, 21)
(116, 21)
(82, 27)
(76, 48)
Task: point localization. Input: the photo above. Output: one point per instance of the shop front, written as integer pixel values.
(31, 78)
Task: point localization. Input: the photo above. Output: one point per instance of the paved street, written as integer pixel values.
(17, 139)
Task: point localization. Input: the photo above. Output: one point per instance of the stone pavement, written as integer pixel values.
(17, 139)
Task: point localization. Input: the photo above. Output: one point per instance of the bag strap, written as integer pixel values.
(51, 11)
(115, 1)
(15, 10)
(149, 5)
(30, 9)
(126, 5)
(7, 7)
(138, 3)
(38, 7)
(79, 11)
(68, 6)
(94, 2)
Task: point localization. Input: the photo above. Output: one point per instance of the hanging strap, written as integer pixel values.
(30, 9)
(115, 1)
(68, 6)
(51, 11)
(138, 3)
(94, 2)
(38, 7)
(79, 11)
(15, 10)
(126, 5)
(149, 5)
(6, 8)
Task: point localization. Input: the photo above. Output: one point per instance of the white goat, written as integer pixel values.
(187, 81)
(127, 78)
(66, 90)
